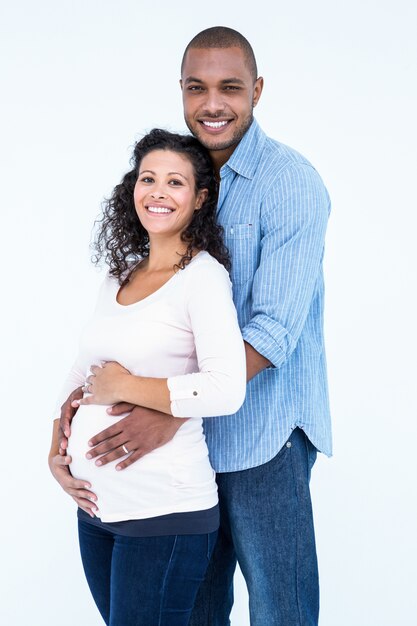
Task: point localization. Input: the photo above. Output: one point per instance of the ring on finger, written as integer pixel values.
(125, 449)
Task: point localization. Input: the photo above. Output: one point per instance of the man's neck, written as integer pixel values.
(219, 158)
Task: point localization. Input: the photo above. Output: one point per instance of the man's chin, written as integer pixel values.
(216, 144)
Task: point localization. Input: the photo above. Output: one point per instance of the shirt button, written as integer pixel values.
(288, 444)
(195, 393)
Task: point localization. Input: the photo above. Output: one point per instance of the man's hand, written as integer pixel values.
(67, 413)
(142, 431)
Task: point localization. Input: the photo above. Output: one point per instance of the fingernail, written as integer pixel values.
(90, 443)
(99, 463)
(87, 486)
(108, 410)
(89, 456)
(118, 468)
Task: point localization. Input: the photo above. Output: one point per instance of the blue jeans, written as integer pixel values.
(144, 581)
(266, 524)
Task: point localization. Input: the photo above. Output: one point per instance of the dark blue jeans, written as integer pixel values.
(267, 526)
(144, 581)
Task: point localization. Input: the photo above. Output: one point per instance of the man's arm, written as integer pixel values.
(255, 362)
(294, 217)
(68, 410)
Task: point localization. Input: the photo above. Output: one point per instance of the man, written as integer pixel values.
(274, 209)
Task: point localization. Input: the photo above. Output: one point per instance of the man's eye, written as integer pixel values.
(231, 88)
(195, 88)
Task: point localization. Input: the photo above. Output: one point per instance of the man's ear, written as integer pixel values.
(257, 90)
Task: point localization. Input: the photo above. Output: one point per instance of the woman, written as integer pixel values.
(165, 336)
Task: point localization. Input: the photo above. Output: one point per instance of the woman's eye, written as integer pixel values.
(175, 182)
(146, 179)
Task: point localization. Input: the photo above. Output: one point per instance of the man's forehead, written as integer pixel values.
(220, 63)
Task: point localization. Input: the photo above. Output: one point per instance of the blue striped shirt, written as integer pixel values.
(274, 209)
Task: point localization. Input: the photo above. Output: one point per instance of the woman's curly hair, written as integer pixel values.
(122, 241)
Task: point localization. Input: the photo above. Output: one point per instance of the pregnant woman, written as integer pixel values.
(164, 335)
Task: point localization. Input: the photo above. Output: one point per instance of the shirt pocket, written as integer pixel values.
(241, 241)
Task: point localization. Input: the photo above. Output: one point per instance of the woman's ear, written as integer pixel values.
(201, 198)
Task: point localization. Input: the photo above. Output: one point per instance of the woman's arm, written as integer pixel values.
(111, 383)
(219, 386)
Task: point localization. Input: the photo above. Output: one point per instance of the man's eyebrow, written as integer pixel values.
(225, 81)
(193, 79)
(234, 81)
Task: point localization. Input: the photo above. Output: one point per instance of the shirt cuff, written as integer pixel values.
(268, 338)
(183, 388)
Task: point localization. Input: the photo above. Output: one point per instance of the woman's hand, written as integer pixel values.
(105, 384)
(79, 490)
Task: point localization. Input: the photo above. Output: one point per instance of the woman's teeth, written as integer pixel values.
(159, 209)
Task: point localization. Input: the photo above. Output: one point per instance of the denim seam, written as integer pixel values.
(297, 530)
(210, 601)
(165, 580)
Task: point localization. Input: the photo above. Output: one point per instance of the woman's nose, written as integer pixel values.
(158, 193)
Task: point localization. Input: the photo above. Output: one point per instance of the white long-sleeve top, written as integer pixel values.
(186, 331)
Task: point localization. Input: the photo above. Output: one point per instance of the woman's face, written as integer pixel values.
(165, 197)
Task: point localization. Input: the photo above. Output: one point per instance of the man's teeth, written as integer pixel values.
(159, 209)
(215, 124)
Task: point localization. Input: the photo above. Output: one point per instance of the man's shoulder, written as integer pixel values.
(281, 163)
(282, 152)
(268, 158)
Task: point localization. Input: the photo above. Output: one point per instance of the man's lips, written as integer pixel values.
(215, 126)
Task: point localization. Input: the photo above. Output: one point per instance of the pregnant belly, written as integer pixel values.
(89, 421)
(175, 477)
(128, 494)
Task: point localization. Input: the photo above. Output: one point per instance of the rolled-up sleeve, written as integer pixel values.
(294, 218)
(219, 387)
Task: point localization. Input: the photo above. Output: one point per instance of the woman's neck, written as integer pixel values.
(164, 255)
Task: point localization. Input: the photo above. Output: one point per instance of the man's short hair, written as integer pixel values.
(223, 37)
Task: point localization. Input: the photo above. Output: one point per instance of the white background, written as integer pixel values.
(82, 80)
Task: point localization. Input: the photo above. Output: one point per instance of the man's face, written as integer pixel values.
(219, 94)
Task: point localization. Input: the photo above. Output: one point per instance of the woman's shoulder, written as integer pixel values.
(204, 270)
(205, 261)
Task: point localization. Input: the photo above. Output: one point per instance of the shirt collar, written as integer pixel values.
(246, 155)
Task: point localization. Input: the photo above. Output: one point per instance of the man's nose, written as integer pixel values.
(214, 103)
